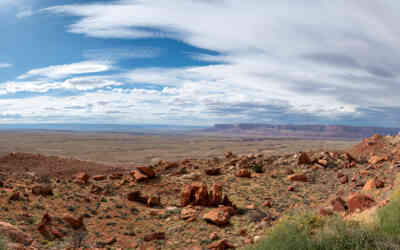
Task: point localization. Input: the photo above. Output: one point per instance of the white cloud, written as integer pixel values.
(44, 86)
(279, 61)
(5, 65)
(62, 71)
(319, 58)
(19, 8)
(24, 12)
(114, 54)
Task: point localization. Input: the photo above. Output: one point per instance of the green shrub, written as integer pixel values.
(306, 232)
(258, 168)
(389, 218)
(2, 244)
(285, 236)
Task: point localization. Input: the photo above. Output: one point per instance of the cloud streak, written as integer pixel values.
(5, 65)
(62, 71)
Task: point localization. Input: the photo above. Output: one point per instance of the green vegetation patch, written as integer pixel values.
(310, 232)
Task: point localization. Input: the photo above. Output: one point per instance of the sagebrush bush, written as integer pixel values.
(258, 168)
(2, 244)
(307, 232)
(389, 218)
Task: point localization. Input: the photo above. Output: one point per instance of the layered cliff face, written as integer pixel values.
(302, 131)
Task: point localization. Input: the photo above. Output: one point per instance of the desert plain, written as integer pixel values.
(70, 190)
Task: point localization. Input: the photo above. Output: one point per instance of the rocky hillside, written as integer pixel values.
(301, 131)
(220, 203)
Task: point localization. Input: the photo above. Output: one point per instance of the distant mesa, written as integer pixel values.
(300, 131)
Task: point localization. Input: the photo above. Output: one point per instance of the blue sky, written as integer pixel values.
(199, 62)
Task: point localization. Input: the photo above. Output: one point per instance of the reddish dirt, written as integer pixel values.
(120, 211)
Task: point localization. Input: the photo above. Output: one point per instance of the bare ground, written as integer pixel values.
(111, 220)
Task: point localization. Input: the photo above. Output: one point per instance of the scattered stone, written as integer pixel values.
(213, 171)
(201, 194)
(197, 194)
(137, 196)
(186, 195)
(344, 179)
(96, 189)
(116, 176)
(267, 204)
(304, 159)
(359, 202)
(373, 184)
(289, 171)
(82, 178)
(170, 165)
(106, 242)
(323, 162)
(375, 159)
(172, 208)
(154, 201)
(214, 236)
(75, 223)
(257, 238)
(46, 220)
(194, 248)
(14, 233)
(315, 167)
(245, 173)
(338, 205)
(348, 157)
(383, 203)
(15, 197)
(139, 176)
(325, 212)
(364, 172)
(148, 171)
(220, 245)
(216, 195)
(243, 232)
(46, 228)
(251, 206)
(248, 241)
(44, 190)
(99, 177)
(188, 212)
(218, 216)
(226, 202)
(297, 177)
(229, 154)
(154, 236)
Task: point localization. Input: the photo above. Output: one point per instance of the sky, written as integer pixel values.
(200, 62)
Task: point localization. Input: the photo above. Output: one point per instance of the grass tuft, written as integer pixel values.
(2, 244)
(308, 232)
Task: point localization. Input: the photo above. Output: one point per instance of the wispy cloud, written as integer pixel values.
(21, 8)
(44, 86)
(24, 12)
(5, 65)
(115, 54)
(62, 71)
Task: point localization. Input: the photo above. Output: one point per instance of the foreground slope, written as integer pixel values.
(229, 201)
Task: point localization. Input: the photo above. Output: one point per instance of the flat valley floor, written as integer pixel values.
(130, 148)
